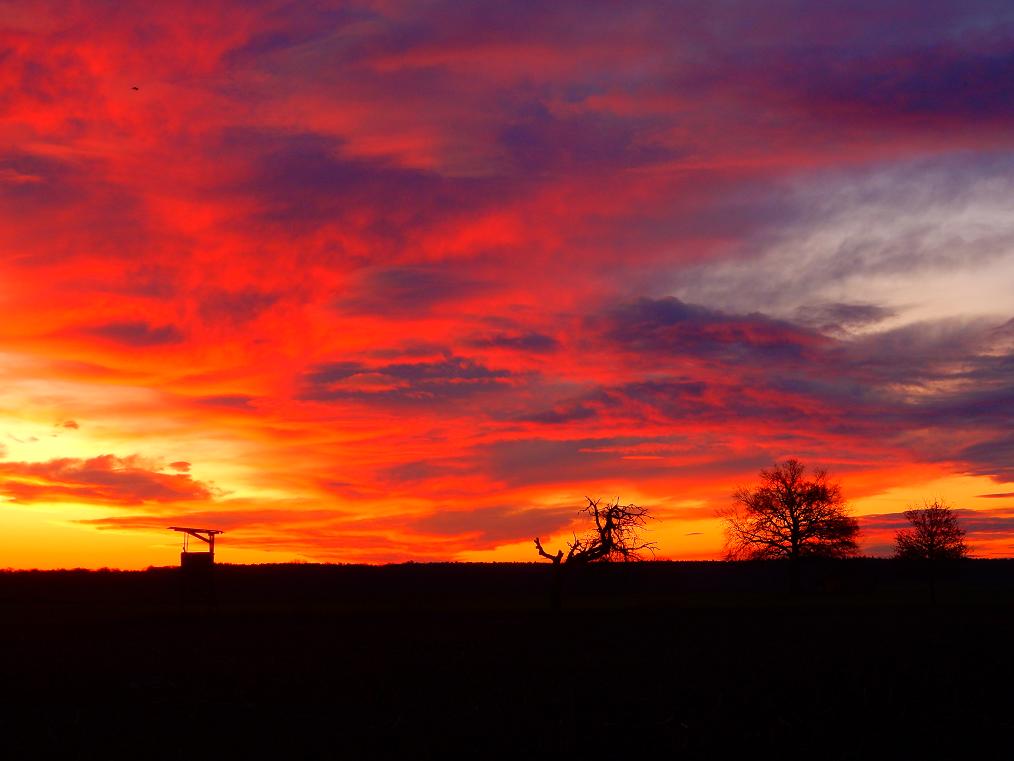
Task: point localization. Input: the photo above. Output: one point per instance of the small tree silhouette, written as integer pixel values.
(935, 534)
(616, 536)
(790, 516)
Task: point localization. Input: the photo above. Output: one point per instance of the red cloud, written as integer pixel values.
(107, 480)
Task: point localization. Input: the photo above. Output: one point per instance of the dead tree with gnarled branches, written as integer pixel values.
(616, 537)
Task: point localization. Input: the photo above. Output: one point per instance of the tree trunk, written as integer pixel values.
(794, 574)
(556, 587)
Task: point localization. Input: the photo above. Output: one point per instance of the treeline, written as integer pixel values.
(791, 514)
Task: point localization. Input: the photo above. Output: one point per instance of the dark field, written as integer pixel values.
(684, 660)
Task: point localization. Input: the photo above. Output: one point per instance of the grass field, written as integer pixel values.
(681, 660)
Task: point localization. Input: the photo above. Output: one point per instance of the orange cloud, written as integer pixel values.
(102, 480)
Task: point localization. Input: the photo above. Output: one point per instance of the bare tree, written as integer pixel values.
(790, 515)
(616, 535)
(935, 534)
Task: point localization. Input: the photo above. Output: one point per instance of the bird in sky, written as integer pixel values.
(135, 87)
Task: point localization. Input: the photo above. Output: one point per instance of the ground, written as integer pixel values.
(851, 659)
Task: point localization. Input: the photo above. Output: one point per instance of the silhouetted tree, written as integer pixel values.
(790, 516)
(935, 534)
(616, 536)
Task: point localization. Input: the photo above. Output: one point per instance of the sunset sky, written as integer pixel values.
(386, 281)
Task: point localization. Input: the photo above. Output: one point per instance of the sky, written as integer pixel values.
(389, 281)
